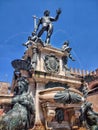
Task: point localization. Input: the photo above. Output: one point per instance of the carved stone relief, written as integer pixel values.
(51, 63)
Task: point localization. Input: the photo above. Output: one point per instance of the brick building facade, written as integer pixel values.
(93, 88)
(91, 77)
(4, 88)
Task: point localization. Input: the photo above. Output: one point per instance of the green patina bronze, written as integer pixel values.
(89, 117)
(18, 118)
(67, 97)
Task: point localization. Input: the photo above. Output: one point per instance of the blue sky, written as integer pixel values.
(78, 23)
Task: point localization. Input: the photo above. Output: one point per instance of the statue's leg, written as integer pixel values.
(41, 31)
(49, 33)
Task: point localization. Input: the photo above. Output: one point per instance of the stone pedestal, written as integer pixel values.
(47, 71)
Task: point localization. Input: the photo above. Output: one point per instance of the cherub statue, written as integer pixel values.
(18, 118)
(66, 48)
(46, 22)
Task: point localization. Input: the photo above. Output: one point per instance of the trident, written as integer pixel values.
(35, 22)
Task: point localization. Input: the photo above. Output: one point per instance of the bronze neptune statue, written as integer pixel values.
(46, 22)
